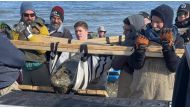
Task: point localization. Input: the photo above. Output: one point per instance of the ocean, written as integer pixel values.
(107, 13)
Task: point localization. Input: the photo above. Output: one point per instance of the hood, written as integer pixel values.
(137, 24)
(166, 13)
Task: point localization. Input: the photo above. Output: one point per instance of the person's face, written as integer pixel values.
(81, 33)
(56, 21)
(146, 21)
(29, 16)
(157, 23)
(101, 34)
(126, 29)
(182, 15)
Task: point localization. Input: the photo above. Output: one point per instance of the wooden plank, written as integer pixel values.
(93, 92)
(36, 88)
(153, 51)
(113, 39)
(50, 89)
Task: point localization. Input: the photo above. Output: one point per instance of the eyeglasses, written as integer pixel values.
(27, 15)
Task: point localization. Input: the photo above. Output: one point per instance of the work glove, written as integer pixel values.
(141, 42)
(166, 37)
(23, 30)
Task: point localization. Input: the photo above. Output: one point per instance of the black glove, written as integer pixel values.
(186, 36)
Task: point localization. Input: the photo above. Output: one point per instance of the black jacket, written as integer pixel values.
(181, 85)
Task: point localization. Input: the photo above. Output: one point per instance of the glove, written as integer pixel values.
(19, 27)
(23, 30)
(141, 42)
(166, 37)
(186, 35)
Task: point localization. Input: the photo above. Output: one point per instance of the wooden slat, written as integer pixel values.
(93, 92)
(113, 39)
(36, 88)
(50, 89)
(153, 51)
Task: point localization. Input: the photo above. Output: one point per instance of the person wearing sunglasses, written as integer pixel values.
(182, 21)
(29, 28)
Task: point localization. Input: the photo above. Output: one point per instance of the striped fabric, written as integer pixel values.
(91, 69)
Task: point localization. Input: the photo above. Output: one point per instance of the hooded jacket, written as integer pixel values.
(137, 23)
(171, 59)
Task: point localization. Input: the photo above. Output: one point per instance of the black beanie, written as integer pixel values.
(164, 12)
(184, 7)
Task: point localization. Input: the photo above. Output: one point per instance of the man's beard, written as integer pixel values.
(28, 22)
(54, 26)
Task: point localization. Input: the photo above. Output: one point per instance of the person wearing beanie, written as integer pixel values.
(153, 78)
(56, 26)
(182, 21)
(146, 17)
(30, 28)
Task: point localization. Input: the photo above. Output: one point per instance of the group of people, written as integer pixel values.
(141, 77)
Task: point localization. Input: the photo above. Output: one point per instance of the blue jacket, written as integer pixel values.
(11, 60)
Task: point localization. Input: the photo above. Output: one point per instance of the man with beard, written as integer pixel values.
(56, 27)
(35, 70)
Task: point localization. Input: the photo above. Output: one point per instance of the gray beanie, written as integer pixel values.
(26, 6)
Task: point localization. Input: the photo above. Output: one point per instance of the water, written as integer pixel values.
(95, 13)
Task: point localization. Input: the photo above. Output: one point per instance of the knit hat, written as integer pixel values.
(184, 7)
(144, 14)
(57, 11)
(164, 12)
(26, 6)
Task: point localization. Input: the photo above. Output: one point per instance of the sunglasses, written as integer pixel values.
(181, 13)
(27, 15)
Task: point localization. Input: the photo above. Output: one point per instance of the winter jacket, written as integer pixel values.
(137, 59)
(11, 61)
(62, 32)
(181, 90)
(120, 62)
(35, 58)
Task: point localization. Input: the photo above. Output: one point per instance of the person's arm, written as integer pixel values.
(10, 55)
(137, 59)
(170, 57)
